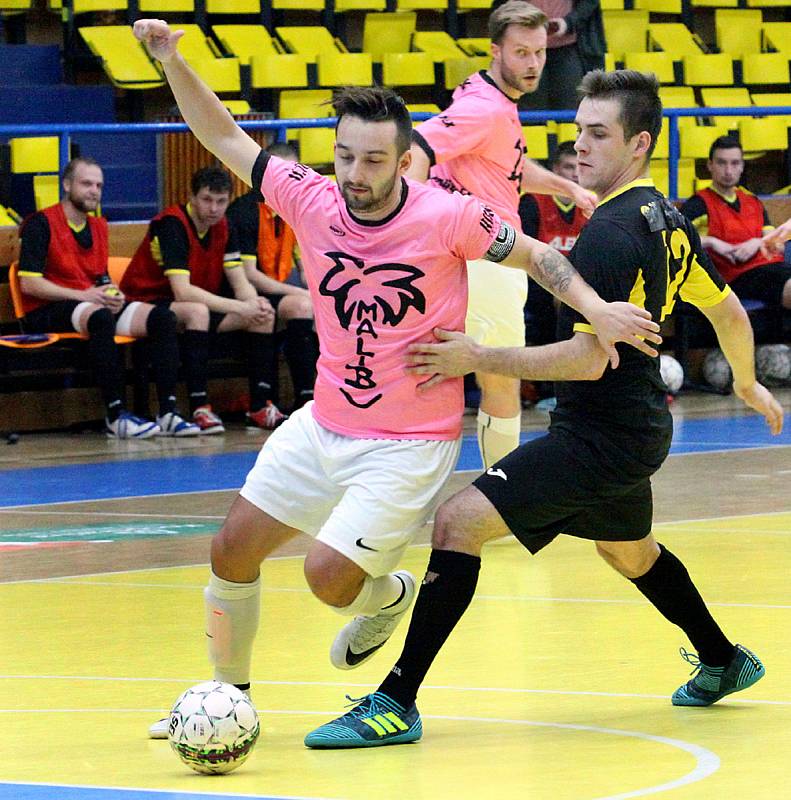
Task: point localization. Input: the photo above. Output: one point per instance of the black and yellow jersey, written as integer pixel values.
(640, 248)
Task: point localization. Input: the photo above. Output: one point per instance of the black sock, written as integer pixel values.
(446, 592)
(105, 362)
(261, 366)
(195, 356)
(301, 354)
(670, 590)
(164, 349)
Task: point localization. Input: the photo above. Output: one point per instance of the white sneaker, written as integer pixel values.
(161, 728)
(363, 636)
(172, 424)
(128, 426)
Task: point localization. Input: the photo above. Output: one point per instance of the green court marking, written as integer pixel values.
(109, 531)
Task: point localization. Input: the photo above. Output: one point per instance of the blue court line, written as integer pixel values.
(196, 473)
(46, 791)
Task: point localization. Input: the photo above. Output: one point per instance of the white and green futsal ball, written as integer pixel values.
(213, 727)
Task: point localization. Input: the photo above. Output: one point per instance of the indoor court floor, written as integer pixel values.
(555, 686)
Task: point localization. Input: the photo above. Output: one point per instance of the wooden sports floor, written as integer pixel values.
(555, 686)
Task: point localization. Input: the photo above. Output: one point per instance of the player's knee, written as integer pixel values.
(294, 306)
(161, 322)
(195, 316)
(329, 583)
(230, 558)
(452, 530)
(101, 323)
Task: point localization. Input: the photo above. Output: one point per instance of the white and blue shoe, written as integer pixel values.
(128, 426)
(710, 684)
(172, 424)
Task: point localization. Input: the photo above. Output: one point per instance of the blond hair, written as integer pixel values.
(514, 12)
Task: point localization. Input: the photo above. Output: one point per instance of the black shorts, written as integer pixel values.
(53, 317)
(763, 283)
(564, 483)
(215, 317)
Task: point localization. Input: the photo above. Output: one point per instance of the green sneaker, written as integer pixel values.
(376, 720)
(710, 684)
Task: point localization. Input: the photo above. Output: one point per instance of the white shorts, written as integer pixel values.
(496, 305)
(365, 498)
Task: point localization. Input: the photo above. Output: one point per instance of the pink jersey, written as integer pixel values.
(477, 146)
(376, 288)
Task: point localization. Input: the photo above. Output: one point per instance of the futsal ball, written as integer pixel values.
(672, 373)
(717, 370)
(773, 364)
(213, 727)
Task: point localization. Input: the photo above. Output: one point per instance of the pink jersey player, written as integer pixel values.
(373, 295)
(469, 153)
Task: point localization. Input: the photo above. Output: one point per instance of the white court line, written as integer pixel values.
(706, 762)
(369, 686)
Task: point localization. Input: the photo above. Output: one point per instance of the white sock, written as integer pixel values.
(497, 436)
(232, 613)
(376, 595)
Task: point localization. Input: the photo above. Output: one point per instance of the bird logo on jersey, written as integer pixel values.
(364, 297)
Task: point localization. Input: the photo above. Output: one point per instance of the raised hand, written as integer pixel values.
(159, 40)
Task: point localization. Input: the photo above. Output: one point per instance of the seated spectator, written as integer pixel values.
(558, 222)
(270, 258)
(732, 223)
(65, 286)
(189, 262)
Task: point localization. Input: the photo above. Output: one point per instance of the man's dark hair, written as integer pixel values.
(283, 150)
(562, 150)
(215, 179)
(724, 143)
(375, 104)
(68, 173)
(637, 94)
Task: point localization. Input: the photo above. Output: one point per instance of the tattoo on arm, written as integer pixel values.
(554, 272)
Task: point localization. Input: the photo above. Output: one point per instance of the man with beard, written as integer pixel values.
(476, 146)
(65, 286)
(359, 469)
(590, 476)
(189, 261)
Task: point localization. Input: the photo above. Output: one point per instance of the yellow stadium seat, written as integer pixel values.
(233, 6)
(360, 5)
(438, 44)
(686, 176)
(612, 5)
(473, 5)
(738, 31)
(726, 97)
(458, 69)
(246, 41)
(194, 45)
(536, 141)
(8, 217)
(767, 3)
(430, 108)
(774, 99)
(35, 154)
(659, 6)
(714, 69)
(476, 46)
(86, 6)
(565, 131)
(345, 69)
(305, 104)
(674, 38)
(696, 141)
(765, 68)
(309, 41)
(46, 190)
(298, 5)
(388, 32)
(237, 107)
(277, 71)
(609, 62)
(407, 69)
(14, 5)
(316, 145)
(220, 74)
(124, 59)
(421, 5)
(715, 3)
(167, 6)
(625, 31)
(702, 183)
(660, 63)
(777, 36)
(766, 133)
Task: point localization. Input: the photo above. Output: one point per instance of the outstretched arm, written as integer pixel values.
(774, 241)
(206, 116)
(613, 322)
(735, 336)
(539, 180)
